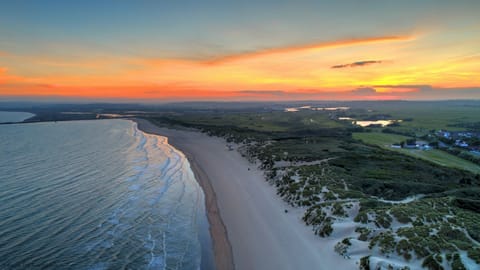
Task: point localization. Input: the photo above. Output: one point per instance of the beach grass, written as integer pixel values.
(353, 188)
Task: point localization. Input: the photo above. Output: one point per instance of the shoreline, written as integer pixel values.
(222, 249)
(251, 226)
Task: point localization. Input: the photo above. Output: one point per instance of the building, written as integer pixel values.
(461, 143)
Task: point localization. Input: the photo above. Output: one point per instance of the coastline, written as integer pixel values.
(249, 225)
(223, 257)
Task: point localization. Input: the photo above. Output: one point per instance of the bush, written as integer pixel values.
(365, 263)
(474, 254)
(364, 233)
(457, 263)
(338, 210)
(400, 215)
(361, 217)
(431, 264)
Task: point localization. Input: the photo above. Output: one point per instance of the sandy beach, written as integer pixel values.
(248, 223)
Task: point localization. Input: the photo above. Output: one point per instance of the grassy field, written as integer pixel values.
(442, 158)
(421, 117)
(263, 122)
(380, 139)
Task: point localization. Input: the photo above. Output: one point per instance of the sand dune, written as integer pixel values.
(261, 234)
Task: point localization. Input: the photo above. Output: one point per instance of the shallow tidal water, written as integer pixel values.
(97, 195)
(6, 117)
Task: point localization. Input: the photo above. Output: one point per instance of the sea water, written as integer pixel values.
(97, 195)
(9, 117)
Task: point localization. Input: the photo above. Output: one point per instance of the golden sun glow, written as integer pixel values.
(372, 67)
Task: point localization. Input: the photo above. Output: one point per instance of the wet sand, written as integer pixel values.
(249, 226)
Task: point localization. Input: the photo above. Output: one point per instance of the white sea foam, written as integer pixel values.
(122, 198)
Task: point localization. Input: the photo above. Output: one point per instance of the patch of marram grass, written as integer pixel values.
(361, 169)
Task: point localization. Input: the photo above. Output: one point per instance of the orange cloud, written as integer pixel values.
(272, 74)
(308, 47)
(6, 77)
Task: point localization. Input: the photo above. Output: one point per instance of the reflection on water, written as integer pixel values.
(383, 123)
(296, 109)
(96, 195)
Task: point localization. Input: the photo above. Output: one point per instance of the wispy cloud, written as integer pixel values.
(358, 64)
(263, 92)
(364, 91)
(298, 48)
(413, 86)
(420, 91)
(6, 77)
(307, 47)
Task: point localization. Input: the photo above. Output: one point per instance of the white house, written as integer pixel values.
(461, 143)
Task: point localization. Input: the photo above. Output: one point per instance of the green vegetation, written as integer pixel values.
(378, 138)
(337, 171)
(445, 159)
(342, 247)
(474, 253)
(431, 263)
(386, 242)
(457, 263)
(365, 263)
(385, 140)
(421, 117)
(364, 233)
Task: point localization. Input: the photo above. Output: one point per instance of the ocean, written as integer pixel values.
(6, 117)
(98, 195)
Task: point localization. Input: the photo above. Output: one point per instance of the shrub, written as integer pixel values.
(365, 263)
(431, 264)
(457, 263)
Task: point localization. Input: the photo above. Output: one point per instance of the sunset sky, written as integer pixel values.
(239, 50)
